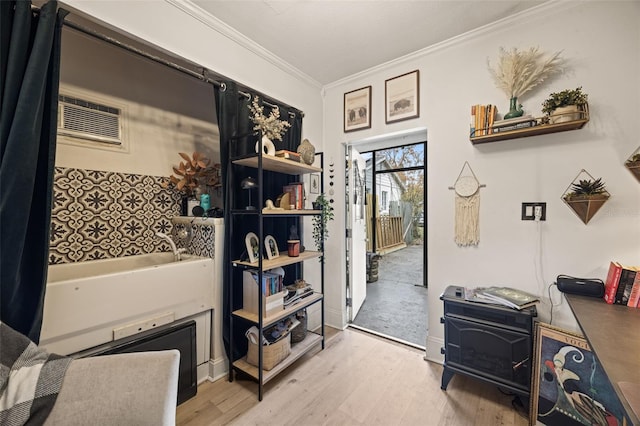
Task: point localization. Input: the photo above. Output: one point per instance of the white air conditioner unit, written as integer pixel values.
(79, 118)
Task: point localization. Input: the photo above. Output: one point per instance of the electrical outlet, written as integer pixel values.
(534, 211)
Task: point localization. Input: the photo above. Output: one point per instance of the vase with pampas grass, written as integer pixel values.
(517, 72)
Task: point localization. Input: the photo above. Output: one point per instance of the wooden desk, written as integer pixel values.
(613, 332)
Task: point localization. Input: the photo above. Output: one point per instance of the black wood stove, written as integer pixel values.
(487, 342)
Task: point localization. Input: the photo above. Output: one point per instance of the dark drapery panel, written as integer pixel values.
(29, 89)
(233, 121)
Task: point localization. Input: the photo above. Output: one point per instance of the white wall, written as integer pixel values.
(166, 111)
(601, 41)
(170, 25)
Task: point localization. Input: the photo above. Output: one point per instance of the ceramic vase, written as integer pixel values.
(515, 110)
(268, 148)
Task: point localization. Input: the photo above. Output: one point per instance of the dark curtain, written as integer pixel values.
(30, 49)
(236, 139)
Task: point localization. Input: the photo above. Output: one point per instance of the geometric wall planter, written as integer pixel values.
(585, 196)
(633, 164)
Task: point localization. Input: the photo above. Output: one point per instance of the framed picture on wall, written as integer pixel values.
(357, 109)
(314, 183)
(568, 383)
(402, 97)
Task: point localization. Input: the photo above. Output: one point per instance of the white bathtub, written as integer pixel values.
(92, 303)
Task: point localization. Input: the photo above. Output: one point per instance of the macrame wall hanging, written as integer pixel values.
(467, 219)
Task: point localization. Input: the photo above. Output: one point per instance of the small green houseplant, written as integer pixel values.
(565, 105)
(320, 229)
(587, 188)
(585, 197)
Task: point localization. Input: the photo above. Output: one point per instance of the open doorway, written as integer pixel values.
(394, 301)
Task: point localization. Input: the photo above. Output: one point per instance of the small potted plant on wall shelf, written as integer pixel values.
(586, 196)
(567, 105)
(633, 164)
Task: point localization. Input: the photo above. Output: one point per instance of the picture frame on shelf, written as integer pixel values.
(357, 109)
(271, 246)
(402, 97)
(252, 244)
(314, 183)
(564, 366)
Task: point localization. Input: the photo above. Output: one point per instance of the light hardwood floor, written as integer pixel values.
(359, 379)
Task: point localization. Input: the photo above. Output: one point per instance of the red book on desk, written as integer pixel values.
(611, 284)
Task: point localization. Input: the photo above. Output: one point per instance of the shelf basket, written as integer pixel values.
(272, 354)
(584, 206)
(633, 164)
(300, 332)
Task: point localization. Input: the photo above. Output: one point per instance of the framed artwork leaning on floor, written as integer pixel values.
(569, 387)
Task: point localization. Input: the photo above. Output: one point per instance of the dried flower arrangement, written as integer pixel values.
(518, 72)
(271, 126)
(192, 172)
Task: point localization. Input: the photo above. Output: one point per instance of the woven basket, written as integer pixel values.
(272, 354)
(300, 332)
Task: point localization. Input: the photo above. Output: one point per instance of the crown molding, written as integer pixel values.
(196, 12)
(551, 6)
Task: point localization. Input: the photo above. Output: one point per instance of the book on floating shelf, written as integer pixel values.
(516, 126)
(289, 155)
(506, 296)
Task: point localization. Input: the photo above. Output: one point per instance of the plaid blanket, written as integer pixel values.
(30, 379)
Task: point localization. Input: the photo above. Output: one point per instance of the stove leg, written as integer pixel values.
(446, 378)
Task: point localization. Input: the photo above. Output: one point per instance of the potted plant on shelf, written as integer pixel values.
(320, 229)
(271, 127)
(188, 177)
(633, 164)
(586, 196)
(565, 106)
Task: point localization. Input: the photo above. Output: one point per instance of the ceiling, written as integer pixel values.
(329, 40)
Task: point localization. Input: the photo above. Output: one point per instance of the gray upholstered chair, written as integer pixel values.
(126, 389)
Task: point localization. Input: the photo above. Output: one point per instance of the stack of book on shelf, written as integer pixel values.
(296, 195)
(297, 292)
(506, 296)
(272, 292)
(622, 286)
(482, 119)
(514, 124)
(289, 155)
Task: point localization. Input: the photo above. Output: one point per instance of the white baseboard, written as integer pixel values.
(202, 372)
(218, 368)
(434, 344)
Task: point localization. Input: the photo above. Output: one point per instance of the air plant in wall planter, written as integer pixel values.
(586, 196)
(633, 164)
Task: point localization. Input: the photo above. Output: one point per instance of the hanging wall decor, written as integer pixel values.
(467, 204)
(585, 195)
(633, 164)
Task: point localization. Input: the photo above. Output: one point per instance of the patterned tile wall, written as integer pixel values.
(99, 215)
(195, 234)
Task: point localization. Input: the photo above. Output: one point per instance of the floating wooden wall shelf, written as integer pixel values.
(540, 129)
